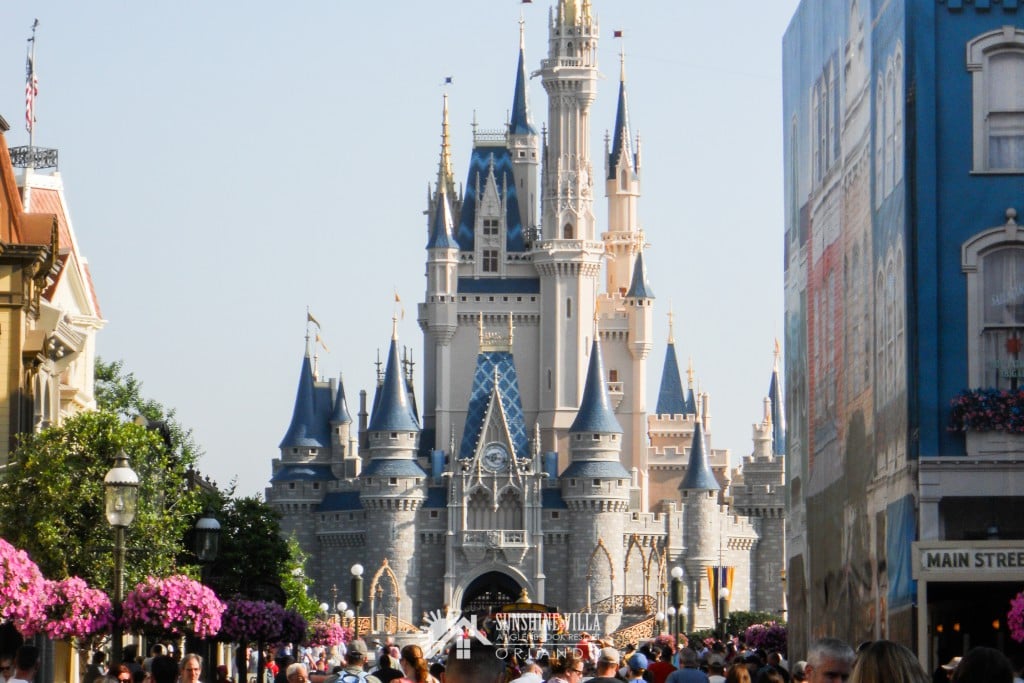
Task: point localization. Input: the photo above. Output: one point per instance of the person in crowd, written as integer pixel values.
(482, 666)
(638, 668)
(884, 661)
(800, 671)
(155, 651)
(945, 671)
(129, 657)
(739, 672)
(566, 669)
(608, 661)
(389, 668)
(164, 669)
(297, 673)
(94, 671)
(191, 668)
(659, 668)
(984, 664)
(415, 666)
(716, 668)
(355, 665)
(530, 672)
(829, 660)
(688, 671)
(222, 674)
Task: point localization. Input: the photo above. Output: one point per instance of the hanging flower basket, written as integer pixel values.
(73, 610)
(327, 634)
(768, 637)
(176, 605)
(293, 627)
(987, 410)
(22, 590)
(246, 621)
(1015, 618)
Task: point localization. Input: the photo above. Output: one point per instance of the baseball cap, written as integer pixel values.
(800, 670)
(608, 655)
(357, 646)
(637, 662)
(716, 661)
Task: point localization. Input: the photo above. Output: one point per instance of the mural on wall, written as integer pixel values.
(845, 301)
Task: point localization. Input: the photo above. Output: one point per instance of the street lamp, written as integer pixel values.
(357, 593)
(121, 493)
(723, 608)
(207, 545)
(341, 608)
(677, 599)
(659, 619)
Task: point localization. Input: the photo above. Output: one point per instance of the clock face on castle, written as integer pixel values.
(495, 457)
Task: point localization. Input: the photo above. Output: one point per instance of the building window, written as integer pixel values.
(490, 260)
(490, 226)
(568, 308)
(994, 264)
(613, 375)
(996, 62)
(567, 231)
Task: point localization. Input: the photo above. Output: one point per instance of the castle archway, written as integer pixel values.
(488, 592)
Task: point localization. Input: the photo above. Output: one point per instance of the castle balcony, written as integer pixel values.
(494, 538)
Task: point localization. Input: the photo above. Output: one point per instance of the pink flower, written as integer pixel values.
(175, 605)
(325, 634)
(249, 620)
(1015, 618)
(22, 589)
(73, 610)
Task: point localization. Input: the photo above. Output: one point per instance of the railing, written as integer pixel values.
(33, 157)
(494, 539)
(623, 604)
(633, 633)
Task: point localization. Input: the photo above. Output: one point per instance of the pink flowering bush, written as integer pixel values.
(666, 641)
(73, 610)
(176, 605)
(1015, 618)
(22, 589)
(325, 634)
(768, 637)
(247, 621)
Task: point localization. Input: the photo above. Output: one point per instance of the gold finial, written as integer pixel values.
(622, 61)
(671, 325)
(510, 330)
(480, 327)
(778, 352)
(444, 170)
(394, 327)
(522, 30)
(689, 373)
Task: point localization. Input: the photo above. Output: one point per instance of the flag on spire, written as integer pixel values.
(320, 341)
(31, 82)
(401, 308)
(311, 319)
(616, 34)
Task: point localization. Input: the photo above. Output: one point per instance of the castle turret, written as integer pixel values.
(624, 240)
(596, 489)
(702, 529)
(632, 411)
(393, 485)
(778, 411)
(671, 399)
(523, 143)
(344, 455)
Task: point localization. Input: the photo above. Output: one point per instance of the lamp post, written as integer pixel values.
(670, 623)
(207, 545)
(121, 497)
(677, 600)
(659, 618)
(723, 609)
(341, 608)
(357, 593)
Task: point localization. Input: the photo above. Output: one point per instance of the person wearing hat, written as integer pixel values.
(800, 671)
(951, 666)
(607, 666)
(716, 668)
(355, 665)
(638, 668)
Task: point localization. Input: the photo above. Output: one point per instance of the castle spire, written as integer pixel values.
(621, 150)
(340, 412)
(640, 288)
(519, 121)
(698, 471)
(595, 414)
(441, 228)
(670, 394)
(392, 412)
(778, 410)
(445, 177)
(305, 430)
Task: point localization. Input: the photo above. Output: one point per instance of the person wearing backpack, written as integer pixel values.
(355, 665)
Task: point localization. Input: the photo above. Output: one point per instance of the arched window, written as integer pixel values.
(568, 308)
(567, 231)
(879, 140)
(623, 180)
(898, 114)
(996, 62)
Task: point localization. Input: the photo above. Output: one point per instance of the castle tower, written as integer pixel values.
(624, 240)
(344, 455)
(596, 489)
(393, 485)
(569, 259)
(523, 144)
(702, 530)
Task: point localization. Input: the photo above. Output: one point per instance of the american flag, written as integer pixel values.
(31, 90)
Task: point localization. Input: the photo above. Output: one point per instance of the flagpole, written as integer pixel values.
(32, 84)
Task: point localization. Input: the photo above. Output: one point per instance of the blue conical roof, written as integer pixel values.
(307, 429)
(519, 123)
(670, 394)
(620, 140)
(495, 374)
(595, 414)
(691, 403)
(392, 412)
(778, 414)
(441, 235)
(639, 288)
(340, 412)
(698, 471)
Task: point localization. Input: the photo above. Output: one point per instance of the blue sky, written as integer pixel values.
(229, 164)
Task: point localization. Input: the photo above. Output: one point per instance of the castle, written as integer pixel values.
(534, 463)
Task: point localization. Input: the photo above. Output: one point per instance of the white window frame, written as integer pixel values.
(979, 51)
(972, 256)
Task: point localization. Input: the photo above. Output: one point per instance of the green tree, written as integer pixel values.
(296, 583)
(52, 499)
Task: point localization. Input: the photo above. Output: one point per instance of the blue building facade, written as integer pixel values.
(904, 161)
